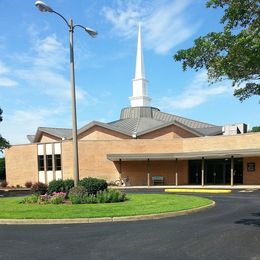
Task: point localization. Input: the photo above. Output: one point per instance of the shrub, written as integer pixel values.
(57, 198)
(76, 194)
(4, 184)
(44, 199)
(39, 188)
(56, 186)
(30, 199)
(28, 184)
(106, 196)
(68, 184)
(93, 185)
(90, 199)
(111, 196)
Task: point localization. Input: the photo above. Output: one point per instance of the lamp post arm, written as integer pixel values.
(63, 18)
(79, 25)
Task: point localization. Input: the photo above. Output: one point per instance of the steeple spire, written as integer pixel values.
(140, 97)
(139, 66)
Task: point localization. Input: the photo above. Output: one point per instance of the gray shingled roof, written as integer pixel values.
(137, 121)
(57, 132)
(141, 120)
(31, 138)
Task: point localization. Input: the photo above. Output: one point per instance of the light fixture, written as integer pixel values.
(43, 7)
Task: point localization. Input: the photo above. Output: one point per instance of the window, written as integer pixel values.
(57, 162)
(40, 163)
(49, 162)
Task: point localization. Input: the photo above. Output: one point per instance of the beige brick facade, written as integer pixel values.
(94, 146)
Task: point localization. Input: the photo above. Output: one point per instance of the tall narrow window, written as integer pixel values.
(49, 162)
(40, 163)
(57, 162)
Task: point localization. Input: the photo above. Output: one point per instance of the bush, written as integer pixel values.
(76, 194)
(68, 184)
(44, 199)
(39, 188)
(106, 196)
(56, 186)
(30, 199)
(111, 196)
(28, 184)
(93, 185)
(4, 184)
(57, 198)
(60, 186)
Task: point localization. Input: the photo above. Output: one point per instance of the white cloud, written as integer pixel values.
(165, 23)
(197, 93)
(5, 80)
(45, 71)
(18, 125)
(50, 53)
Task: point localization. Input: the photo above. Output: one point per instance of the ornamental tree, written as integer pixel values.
(233, 53)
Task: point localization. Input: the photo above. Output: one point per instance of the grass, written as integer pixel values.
(137, 204)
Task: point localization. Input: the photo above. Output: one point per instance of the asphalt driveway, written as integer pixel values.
(231, 230)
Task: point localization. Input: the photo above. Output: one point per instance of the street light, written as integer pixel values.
(45, 8)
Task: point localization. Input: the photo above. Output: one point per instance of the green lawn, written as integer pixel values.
(137, 204)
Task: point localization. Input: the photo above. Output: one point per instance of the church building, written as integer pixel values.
(144, 147)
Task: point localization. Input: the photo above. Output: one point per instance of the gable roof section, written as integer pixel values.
(103, 125)
(57, 132)
(30, 138)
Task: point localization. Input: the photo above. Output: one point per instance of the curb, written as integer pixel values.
(103, 220)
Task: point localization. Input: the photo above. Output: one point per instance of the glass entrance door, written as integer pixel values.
(217, 171)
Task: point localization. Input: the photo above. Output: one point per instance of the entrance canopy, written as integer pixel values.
(184, 156)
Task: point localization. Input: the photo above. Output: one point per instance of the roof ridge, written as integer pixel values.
(44, 127)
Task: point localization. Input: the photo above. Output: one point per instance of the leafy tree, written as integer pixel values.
(233, 53)
(3, 142)
(255, 129)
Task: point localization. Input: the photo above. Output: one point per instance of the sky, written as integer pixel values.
(35, 72)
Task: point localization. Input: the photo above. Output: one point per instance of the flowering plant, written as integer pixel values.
(57, 197)
(44, 199)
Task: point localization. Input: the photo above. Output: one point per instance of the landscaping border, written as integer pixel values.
(103, 220)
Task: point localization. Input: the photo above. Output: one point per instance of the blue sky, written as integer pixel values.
(34, 64)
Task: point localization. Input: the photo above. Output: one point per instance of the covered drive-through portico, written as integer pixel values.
(189, 168)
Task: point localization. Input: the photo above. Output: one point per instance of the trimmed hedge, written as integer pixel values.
(60, 186)
(93, 185)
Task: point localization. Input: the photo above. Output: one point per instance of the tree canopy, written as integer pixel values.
(255, 129)
(233, 53)
(3, 142)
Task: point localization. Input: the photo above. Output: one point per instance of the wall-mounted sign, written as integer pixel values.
(250, 166)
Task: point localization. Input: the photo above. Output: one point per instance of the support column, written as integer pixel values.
(202, 171)
(120, 172)
(232, 171)
(176, 172)
(148, 172)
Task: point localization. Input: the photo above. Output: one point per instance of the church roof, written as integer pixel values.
(141, 120)
(137, 121)
(62, 133)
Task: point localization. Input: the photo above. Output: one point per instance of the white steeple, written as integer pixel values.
(140, 96)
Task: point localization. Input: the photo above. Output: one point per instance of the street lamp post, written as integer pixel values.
(45, 8)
